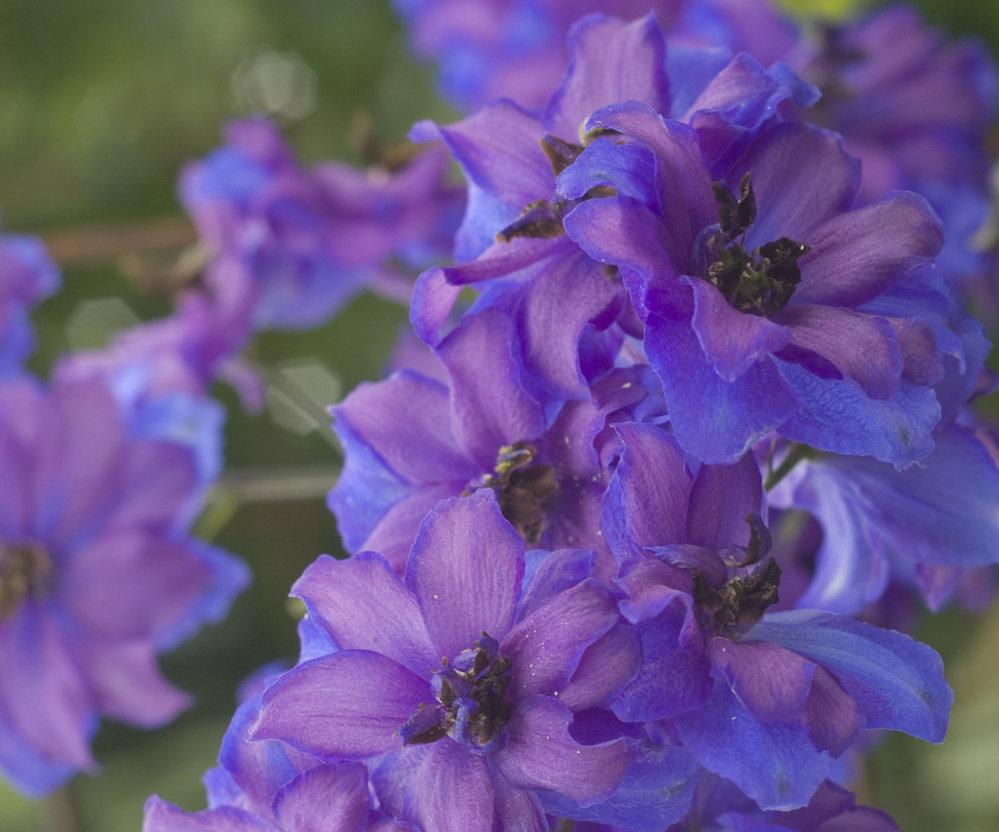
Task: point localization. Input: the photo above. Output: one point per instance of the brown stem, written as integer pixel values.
(97, 243)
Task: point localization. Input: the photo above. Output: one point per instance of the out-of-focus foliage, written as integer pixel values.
(100, 103)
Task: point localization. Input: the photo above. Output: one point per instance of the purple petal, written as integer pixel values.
(628, 168)
(674, 674)
(433, 299)
(656, 792)
(646, 501)
(325, 799)
(851, 568)
(605, 667)
(541, 754)
(720, 499)
(165, 579)
(898, 683)
(41, 691)
(612, 61)
(153, 502)
(831, 715)
(549, 573)
(490, 406)
(127, 684)
(772, 683)
(571, 293)
(396, 529)
(858, 346)
(801, 177)
(858, 255)
(545, 648)
(944, 511)
(517, 809)
(451, 790)
(252, 772)
(77, 469)
(348, 705)
(747, 94)
(405, 412)
(686, 203)
(732, 341)
(364, 605)
(619, 231)
(465, 568)
(498, 149)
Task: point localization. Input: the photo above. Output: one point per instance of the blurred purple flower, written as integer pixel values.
(27, 276)
(97, 575)
(310, 239)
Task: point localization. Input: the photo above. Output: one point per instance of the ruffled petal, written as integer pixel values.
(612, 61)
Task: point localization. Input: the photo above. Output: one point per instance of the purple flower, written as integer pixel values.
(97, 575)
(27, 276)
(755, 289)
(411, 441)
(764, 699)
(310, 239)
(465, 741)
(564, 301)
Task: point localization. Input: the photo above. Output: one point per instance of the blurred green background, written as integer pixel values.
(101, 102)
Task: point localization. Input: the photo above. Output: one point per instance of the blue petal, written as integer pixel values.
(898, 683)
(774, 763)
(835, 415)
(714, 420)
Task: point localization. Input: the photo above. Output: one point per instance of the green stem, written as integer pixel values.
(796, 453)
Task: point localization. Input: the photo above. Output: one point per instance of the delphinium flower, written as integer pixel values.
(512, 234)
(309, 239)
(761, 305)
(764, 699)
(27, 276)
(913, 105)
(270, 787)
(533, 650)
(98, 574)
(410, 441)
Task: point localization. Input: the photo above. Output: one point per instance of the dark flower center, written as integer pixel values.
(543, 219)
(738, 604)
(759, 282)
(25, 573)
(523, 488)
(471, 707)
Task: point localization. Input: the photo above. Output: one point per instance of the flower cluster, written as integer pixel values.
(697, 314)
(692, 398)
